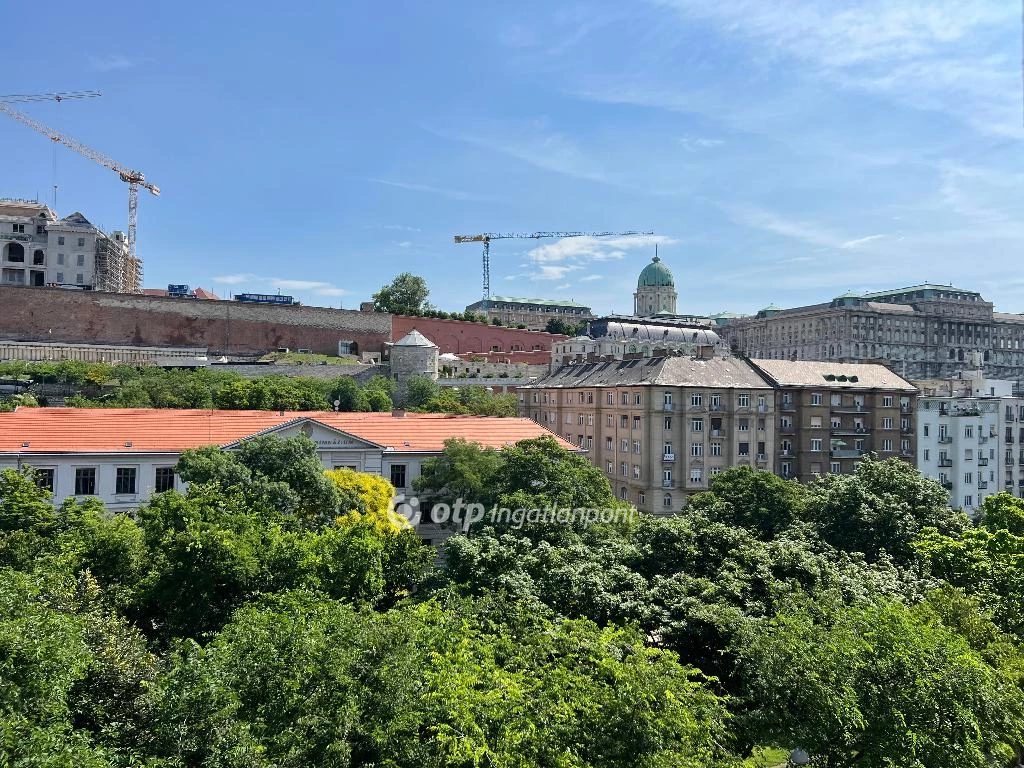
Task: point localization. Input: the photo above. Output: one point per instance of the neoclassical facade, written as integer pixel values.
(925, 331)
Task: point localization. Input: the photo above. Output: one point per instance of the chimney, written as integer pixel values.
(398, 413)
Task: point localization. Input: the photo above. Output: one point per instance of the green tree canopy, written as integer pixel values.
(405, 295)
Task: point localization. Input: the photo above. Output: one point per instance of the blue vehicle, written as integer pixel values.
(265, 298)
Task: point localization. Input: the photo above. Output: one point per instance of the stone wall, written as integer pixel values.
(459, 336)
(223, 327)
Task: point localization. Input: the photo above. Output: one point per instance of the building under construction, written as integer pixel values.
(38, 249)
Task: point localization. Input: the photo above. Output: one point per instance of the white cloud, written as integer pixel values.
(590, 278)
(860, 241)
(696, 143)
(318, 287)
(588, 248)
(768, 221)
(552, 272)
(928, 54)
(110, 62)
(404, 244)
(454, 194)
(234, 279)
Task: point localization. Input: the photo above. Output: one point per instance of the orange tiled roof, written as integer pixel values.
(152, 430)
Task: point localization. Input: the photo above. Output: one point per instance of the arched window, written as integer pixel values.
(666, 501)
(15, 252)
(623, 493)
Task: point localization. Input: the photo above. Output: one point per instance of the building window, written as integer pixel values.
(816, 444)
(398, 478)
(608, 445)
(816, 398)
(887, 422)
(743, 401)
(638, 399)
(624, 422)
(716, 449)
(667, 450)
(834, 467)
(696, 475)
(609, 420)
(696, 399)
(925, 454)
(887, 445)
(608, 467)
(697, 425)
(18, 228)
(968, 501)
(785, 469)
(60, 259)
(124, 483)
(623, 493)
(714, 471)
(744, 449)
(636, 471)
(624, 445)
(80, 261)
(81, 242)
(925, 430)
(579, 419)
(610, 398)
(743, 425)
(636, 422)
(625, 398)
(164, 479)
(887, 401)
(44, 479)
(636, 446)
(968, 431)
(60, 240)
(641, 497)
(623, 468)
(668, 423)
(697, 449)
(85, 481)
(80, 279)
(666, 501)
(905, 446)
(968, 477)
(716, 402)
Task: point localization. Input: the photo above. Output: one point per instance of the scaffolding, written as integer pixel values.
(116, 270)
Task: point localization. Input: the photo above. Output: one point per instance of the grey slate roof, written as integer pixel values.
(812, 373)
(657, 371)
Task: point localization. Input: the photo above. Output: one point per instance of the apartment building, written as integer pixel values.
(922, 331)
(832, 414)
(533, 313)
(37, 249)
(971, 437)
(659, 427)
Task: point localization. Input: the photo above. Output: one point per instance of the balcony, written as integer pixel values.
(716, 433)
(947, 485)
(668, 483)
(982, 461)
(668, 457)
(982, 439)
(945, 440)
(668, 407)
(849, 408)
(787, 406)
(945, 462)
(762, 460)
(717, 407)
(787, 429)
(847, 453)
(699, 407)
(905, 408)
(785, 453)
(982, 484)
(906, 430)
(854, 430)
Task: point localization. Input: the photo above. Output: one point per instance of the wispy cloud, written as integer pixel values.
(930, 55)
(860, 241)
(404, 244)
(110, 62)
(591, 278)
(553, 261)
(454, 194)
(697, 143)
(795, 229)
(318, 287)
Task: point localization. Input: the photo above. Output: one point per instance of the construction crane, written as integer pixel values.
(133, 178)
(488, 236)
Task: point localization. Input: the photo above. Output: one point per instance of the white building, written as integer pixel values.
(123, 456)
(37, 248)
(969, 437)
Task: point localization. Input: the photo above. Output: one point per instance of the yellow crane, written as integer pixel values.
(488, 236)
(133, 178)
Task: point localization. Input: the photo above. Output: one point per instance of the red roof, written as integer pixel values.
(153, 430)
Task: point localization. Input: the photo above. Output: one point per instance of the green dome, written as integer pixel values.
(655, 275)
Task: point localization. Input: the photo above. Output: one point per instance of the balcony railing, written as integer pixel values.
(945, 462)
(668, 457)
(847, 453)
(668, 406)
(668, 483)
(854, 430)
(849, 408)
(982, 461)
(945, 440)
(983, 484)
(947, 485)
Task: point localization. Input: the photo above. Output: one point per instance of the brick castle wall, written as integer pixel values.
(460, 337)
(224, 327)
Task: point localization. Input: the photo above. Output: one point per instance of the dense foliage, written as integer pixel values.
(99, 385)
(279, 615)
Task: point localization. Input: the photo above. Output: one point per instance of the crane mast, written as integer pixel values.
(486, 238)
(130, 279)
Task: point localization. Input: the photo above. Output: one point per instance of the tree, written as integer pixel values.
(883, 506)
(419, 391)
(464, 470)
(748, 498)
(405, 295)
(558, 325)
(876, 685)
(347, 394)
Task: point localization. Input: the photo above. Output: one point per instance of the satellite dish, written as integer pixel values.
(799, 757)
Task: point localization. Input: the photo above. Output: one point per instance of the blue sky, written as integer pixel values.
(783, 151)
